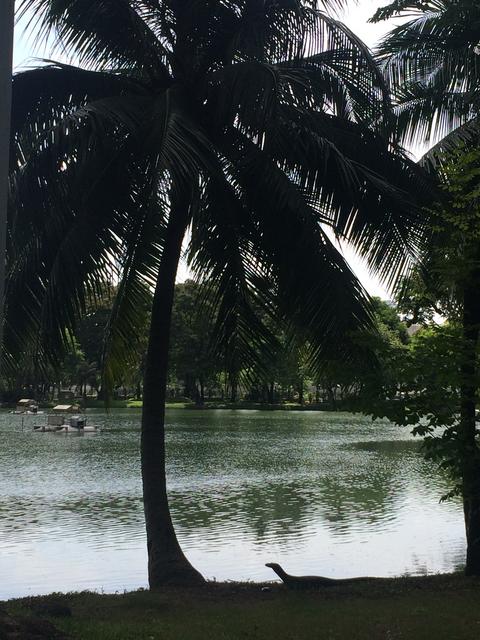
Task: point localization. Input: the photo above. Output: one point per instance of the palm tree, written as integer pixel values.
(250, 123)
(433, 65)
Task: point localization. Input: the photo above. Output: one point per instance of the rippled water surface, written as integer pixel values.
(332, 494)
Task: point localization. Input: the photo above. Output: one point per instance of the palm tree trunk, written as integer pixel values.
(6, 55)
(166, 562)
(469, 452)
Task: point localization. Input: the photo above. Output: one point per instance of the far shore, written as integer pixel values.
(216, 405)
(184, 404)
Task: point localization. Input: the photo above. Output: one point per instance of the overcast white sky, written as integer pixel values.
(355, 17)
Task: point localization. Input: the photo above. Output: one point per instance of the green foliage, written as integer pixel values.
(427, 397)
(429, 394)
(451, 259)
(374, 374)
(92, 326)
(428, 380)
(434, 287)
(392, 329)
(191, 357)
(421, 296)
(456, 221)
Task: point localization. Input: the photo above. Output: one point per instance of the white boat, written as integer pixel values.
(58, 423)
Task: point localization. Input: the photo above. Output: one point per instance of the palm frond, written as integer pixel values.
(465, 134)
(99, 34)
(48, 92)
(400, 7)
(431, 63)
(137, 273)
(62, 245)
(289, 242)
(369, 203)
(235, 282)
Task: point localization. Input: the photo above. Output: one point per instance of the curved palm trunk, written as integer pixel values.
(470, 455)
(166, 562)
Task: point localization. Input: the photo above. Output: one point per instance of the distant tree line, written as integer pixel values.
(198, 372)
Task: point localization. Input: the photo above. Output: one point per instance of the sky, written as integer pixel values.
(356, 17)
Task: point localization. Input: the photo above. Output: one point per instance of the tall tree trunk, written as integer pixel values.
(470, 456)
(198, 401)
(233, 391)
(166, 562)
(332, 397)
(300, 391)
(271, 392)
(6, 56)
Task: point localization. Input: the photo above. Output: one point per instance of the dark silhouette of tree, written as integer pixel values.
(250, 123)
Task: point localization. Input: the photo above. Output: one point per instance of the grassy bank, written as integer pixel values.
(129, 404)
(261, 406)
(440, 607)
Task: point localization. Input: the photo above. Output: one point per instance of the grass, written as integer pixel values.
(100, 404)
(188, 404)
(130, 404)
(181, 404)
(261, 406)
(442, 607)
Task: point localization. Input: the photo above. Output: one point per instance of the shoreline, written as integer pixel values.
(438, 606)
(190, 406)
(219, 406)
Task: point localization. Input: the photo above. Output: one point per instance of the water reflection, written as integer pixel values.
(331, 493)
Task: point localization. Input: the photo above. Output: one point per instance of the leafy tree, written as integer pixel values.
(429, 390)
(459, 229)
(388, 321)
(91, 329)
(74, 360)
(252, 124)
(290, 366)
(432, 64)
(191, 356)
(441, 375)
(422, 295)
(375, 373)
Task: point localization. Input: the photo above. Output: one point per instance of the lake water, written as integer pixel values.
(323, 493)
